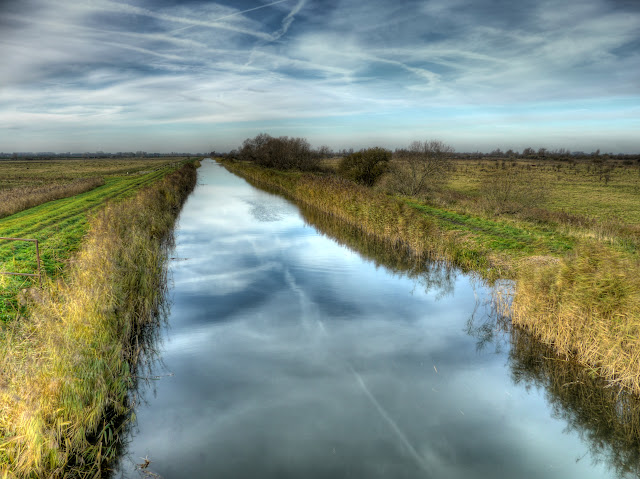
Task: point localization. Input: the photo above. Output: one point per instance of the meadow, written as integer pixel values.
(69, 350)
(565, 234)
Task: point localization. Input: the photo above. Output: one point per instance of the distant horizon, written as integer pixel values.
(139, 153)
(167, 75)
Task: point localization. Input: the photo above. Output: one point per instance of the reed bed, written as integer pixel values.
(67, 370)
(578, 294)
(15, 200)
(588, 306)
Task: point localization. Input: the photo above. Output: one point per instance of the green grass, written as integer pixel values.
(575, 188)
(500, 236)
(59, 226)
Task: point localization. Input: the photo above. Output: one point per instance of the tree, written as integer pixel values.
(421, 166)
(324, 152)
(509, 190)
(365, 166)
(282, 153)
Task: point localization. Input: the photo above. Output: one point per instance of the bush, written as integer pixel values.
(365, 166)
(509, 190)
(420, 167)
(282, 153)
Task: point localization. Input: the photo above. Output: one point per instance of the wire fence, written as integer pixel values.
(39, 273)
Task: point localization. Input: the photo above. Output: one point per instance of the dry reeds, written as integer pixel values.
(67, 369)
(15, 200)
(587, 305)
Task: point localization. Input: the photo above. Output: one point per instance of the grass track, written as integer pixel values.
(59, 226)
(500, 235)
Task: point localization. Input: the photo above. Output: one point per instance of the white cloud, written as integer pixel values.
(105, 64)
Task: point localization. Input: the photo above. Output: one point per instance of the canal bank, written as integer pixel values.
(69, 366)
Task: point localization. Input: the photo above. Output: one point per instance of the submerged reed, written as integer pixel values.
(66, 371)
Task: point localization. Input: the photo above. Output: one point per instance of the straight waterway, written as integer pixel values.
(291, 352)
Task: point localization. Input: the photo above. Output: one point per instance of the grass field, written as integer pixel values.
(31, 173)
(60, 225)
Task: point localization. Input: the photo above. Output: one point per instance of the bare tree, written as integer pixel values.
(510, 190)
(421, 166)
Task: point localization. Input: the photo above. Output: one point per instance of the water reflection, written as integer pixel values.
(606, 418)
(435, 276)
(294, 357)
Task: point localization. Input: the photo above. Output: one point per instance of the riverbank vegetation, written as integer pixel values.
(59, 225)
(68, 352)
(565, 231)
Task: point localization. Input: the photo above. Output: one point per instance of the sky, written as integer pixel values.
(167, 75)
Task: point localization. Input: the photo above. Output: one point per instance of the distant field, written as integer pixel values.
(581, 199)
(578, 187)
(19, 173)
(61, 224)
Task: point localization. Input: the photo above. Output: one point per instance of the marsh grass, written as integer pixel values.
(576, 278)
(68, 368)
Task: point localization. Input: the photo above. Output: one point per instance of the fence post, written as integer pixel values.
(39, 275)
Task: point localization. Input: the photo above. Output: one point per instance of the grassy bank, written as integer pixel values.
(59, 226)
(67, 366)
(574, 289)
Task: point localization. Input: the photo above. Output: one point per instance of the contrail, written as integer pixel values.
(394, 426)
(251, 10)
(233, 14)
(381, 410)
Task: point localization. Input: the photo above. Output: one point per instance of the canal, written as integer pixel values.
(295, 348)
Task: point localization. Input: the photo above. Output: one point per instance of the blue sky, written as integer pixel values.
(87, 75)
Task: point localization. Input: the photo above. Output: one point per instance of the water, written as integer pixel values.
(288, 354)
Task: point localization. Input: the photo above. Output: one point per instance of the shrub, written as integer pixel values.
(419, 167)
(365, 166)
(282, 153)
(509, 190)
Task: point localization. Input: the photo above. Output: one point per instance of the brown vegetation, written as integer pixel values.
(420, 168)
